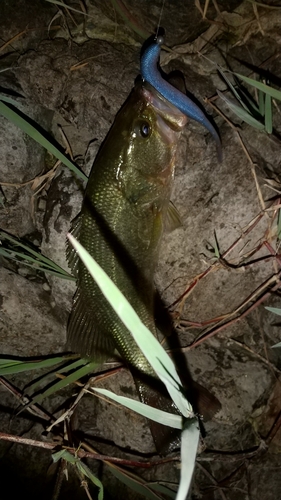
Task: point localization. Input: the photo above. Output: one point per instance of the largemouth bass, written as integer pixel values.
(121, 224)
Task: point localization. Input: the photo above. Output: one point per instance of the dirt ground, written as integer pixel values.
(71, 73)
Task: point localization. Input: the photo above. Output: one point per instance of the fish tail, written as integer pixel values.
(153, 393)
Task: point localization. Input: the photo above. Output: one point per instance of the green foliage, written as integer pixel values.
(257, 114)
(16, 117)
(9, 366)
(135, 483)
(82, 469)
(15, 249)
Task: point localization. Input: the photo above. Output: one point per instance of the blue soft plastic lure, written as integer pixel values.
(151, 74)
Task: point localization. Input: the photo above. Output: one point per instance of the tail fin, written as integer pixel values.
(153, 393)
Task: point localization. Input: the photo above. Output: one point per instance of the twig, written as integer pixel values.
(84, 454)
(212, 479)
(59, 479)
(217, 329)
(34, 409)
(216, 265)
(214, 455)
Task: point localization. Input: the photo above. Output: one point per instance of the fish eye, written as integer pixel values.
(145, 129)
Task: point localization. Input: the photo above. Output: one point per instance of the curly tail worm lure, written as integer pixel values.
(151, 74)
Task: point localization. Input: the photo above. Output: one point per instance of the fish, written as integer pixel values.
(151, 74)
(126, 203)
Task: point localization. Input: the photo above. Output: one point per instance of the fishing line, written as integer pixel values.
(158, 26)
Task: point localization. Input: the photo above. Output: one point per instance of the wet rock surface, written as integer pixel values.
(74, 77)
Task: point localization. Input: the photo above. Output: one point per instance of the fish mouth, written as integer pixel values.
(169, 115)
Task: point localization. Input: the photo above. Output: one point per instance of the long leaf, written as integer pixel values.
(163, 489)
(274, 310)
(11, 366)
(261, 102)
(233, 90)
(276, 345)
(69, 367)
(83, 468)
(30, 258)
(189, 445)
(241, 113)
(275, 94)
(160, 416)
(134, 482)
(268, 114)
(10, 100)
(69, 379)
(29, 129)
(153, 351)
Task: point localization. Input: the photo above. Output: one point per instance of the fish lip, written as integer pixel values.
(172, 116)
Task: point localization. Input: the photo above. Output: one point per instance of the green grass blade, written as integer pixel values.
(10, 100)
(69, 379)
(189, 445)
(274, 310)
(261, 102)
(134, 482)
(83, 468)
(241, 113)
(275, 94)
(30, 130)
(68, 367)
(252, 106)
(233, 90)
(155, 414)
(276, 345)
(163, 489)
(153, 351)
(268, 114)
(11, 366)
(30, 257)
(33, 264)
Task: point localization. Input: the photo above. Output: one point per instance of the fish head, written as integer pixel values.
(149, 128)
(155, 130)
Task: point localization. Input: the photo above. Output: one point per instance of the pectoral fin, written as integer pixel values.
(173, 218)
